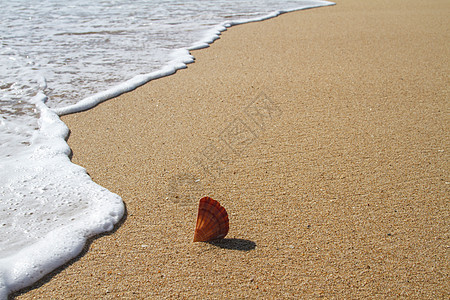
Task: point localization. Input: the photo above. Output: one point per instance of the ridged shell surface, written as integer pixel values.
(212, 221)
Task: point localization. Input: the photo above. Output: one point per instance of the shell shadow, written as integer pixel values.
(234, 244)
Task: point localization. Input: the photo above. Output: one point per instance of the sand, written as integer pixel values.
(324, 133)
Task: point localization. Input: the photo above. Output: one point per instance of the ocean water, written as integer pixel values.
(60, 57)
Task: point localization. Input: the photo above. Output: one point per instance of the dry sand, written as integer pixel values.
(337, 184)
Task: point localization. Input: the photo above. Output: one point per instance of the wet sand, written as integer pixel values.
(325, 135)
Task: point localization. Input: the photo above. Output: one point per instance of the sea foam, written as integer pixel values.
(59, 206)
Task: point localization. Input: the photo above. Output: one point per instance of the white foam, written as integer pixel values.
(50, 207)
(180, 59)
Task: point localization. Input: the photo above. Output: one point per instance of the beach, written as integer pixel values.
(324, 133)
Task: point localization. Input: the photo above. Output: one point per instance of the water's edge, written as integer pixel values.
(182, 57)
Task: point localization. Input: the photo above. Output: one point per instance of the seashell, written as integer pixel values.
(212, 221)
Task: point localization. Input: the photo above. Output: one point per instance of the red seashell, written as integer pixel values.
(212, 221)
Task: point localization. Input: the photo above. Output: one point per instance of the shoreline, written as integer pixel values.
(179, 62)
(335, 183)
